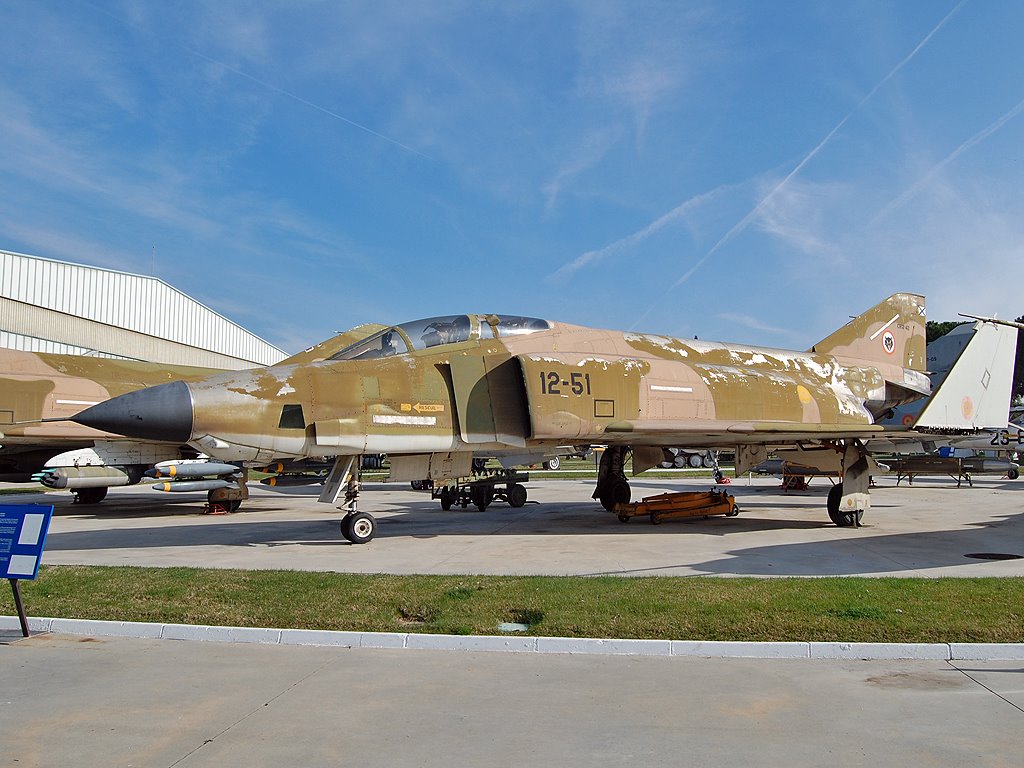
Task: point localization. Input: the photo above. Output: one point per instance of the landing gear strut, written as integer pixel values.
(612, 485)
(848, 500)
(357, 527)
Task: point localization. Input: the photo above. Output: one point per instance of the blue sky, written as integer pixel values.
(742, 171)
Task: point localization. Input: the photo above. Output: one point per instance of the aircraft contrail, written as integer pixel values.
(659, 223)
(743, 223)
(270, 86)
(977, 138)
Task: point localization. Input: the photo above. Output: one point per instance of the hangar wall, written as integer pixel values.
(56, 306)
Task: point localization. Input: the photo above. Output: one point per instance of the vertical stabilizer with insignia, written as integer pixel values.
(892, 331)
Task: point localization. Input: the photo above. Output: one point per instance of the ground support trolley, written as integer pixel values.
(669, 506)
(483, 488)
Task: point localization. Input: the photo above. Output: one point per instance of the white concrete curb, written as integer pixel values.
(527, 643)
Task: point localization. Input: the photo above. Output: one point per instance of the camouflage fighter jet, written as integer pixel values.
(39, 393)
(431, 393)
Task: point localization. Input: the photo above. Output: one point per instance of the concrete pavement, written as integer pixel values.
(96, 700)
(928, 530)
(116, 702)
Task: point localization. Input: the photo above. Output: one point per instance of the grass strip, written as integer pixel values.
(706, 608)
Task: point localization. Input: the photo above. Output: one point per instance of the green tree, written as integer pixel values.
(934, 329)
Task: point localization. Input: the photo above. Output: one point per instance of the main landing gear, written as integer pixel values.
(223, 501)
(90, 495)
(842, 518)
(612, 485)
(849, 499)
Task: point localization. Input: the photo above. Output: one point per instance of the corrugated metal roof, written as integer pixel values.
(31, 344)
(140, 303)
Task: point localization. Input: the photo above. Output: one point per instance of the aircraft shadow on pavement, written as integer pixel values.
(862, 553)
(857, 552)
(417, 520)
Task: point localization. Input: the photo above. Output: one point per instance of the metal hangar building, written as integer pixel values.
(61, 307)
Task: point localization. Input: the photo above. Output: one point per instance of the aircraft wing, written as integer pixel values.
(689, 433)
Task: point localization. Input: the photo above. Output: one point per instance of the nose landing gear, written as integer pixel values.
(357, 527)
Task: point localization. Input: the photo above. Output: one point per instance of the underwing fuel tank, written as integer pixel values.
(84, 477)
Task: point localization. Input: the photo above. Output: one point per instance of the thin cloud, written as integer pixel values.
(748, 321)
(936, 169)
(745, 222)
(681, 211)
(271, 87)
(590, 153)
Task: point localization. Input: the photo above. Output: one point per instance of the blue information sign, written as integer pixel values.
(23, 530)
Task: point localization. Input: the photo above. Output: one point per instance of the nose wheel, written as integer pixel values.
(358, 527)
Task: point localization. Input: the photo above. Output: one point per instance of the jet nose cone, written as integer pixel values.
(163, 412)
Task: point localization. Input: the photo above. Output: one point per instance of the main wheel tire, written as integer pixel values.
(90, 495)
(481, 496)
(616, 492)
(841, 518)
(228, 505)
(553, 463)
(447, 497)
(516, 495)
(358, 527)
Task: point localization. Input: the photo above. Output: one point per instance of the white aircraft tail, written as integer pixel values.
(976, 392)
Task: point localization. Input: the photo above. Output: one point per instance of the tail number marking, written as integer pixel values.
(1005, 438)
(552, 383)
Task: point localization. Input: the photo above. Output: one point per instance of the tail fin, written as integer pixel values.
(890, 332)
(976, 392)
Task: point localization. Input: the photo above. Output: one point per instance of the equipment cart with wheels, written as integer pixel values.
(483, 488)
(668, 506)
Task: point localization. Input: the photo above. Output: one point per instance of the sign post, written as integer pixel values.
(23, 530)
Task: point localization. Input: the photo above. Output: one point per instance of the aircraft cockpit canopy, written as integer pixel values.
(439, 331)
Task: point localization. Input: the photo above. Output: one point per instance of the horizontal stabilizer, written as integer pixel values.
(976, 392)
